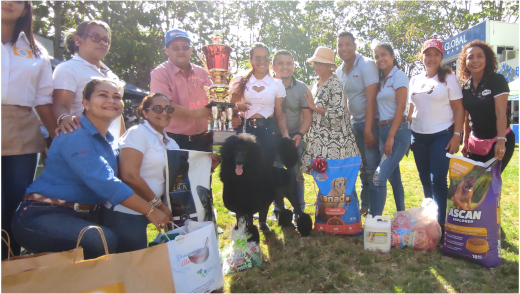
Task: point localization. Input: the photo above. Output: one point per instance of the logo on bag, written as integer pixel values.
(202, 272)
(179, 239)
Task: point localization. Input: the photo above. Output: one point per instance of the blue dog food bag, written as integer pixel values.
(473, 211)
(337, 207)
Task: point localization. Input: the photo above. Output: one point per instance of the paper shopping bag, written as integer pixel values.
(194, 258)
(146, 270)
(18, 264)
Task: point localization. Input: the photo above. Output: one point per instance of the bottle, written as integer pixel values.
(377, 233)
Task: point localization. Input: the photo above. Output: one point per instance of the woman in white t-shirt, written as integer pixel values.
(437, 117)
(142, 165)
(261, 97)
(89, 44)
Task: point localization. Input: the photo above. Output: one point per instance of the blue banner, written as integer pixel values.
(453, 45)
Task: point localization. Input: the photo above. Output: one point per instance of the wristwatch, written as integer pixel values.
(298, 133)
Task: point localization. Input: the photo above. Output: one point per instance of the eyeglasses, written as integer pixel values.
(260, 59)
(96, 38)
(183, 47)
(158, 109)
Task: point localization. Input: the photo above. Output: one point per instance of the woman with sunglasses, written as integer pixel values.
(142, 164)
(260, 96)
(89, 44)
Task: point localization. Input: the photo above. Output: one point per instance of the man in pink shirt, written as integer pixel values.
(183, 83)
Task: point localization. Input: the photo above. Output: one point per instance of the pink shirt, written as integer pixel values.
(187, 92)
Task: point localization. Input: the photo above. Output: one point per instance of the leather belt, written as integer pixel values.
(389, 121)
(260, 122)
(190, 137)
(78, 207)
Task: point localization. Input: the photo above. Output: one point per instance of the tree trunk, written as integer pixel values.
(58, 51)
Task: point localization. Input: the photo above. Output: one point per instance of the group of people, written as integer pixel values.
(98, 172)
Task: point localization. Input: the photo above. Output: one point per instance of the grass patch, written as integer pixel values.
(327, 263)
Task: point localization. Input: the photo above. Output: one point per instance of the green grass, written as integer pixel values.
(330, 263)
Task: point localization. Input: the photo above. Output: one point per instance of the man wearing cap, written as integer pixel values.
(360, 77)
(183, 83)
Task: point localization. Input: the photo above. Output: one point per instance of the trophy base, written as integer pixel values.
(221, 105)
(219, 137)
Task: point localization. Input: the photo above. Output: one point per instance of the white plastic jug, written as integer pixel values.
(377, 233)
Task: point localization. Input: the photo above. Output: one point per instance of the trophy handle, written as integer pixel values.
(202, 59)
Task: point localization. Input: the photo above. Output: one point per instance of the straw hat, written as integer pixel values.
(323, 55)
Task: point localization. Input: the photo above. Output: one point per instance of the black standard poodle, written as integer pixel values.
(250, 186)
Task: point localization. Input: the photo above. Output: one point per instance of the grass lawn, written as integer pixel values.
(330, 263)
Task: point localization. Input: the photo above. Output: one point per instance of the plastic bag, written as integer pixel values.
(240, 255)
(417, 227)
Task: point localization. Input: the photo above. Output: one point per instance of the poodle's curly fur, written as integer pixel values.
(258, 186)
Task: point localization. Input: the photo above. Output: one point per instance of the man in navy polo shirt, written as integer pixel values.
(360, 77)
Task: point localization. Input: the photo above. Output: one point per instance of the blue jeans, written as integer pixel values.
(296, 176)
(45, 227)
(388, 169)
(429, 151)
(370, 157)
(17, 175)
(130, 229)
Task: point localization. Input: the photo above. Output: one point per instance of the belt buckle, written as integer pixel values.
(76, 208)
(189, 138)
(254, 120)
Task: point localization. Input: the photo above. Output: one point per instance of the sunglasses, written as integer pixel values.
(260, 59)
(159, 109)
(178, 48)
(96, 38)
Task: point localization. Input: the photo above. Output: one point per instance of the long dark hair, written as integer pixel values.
(491, 60)
(390, 50)
(82, 30)
(25, 24)
(246, 78)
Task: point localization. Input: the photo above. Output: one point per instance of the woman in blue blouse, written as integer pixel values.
(80, 176)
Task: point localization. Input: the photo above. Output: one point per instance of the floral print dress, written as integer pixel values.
(331, 135)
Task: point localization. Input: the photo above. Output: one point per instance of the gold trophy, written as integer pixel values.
(216, 62)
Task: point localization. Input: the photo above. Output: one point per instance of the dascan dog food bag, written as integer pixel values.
(337, 206)
(473, 211)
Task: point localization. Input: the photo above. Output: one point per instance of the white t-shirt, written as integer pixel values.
(262, 100)
(431, 99)
(73, 75)
(145, 139)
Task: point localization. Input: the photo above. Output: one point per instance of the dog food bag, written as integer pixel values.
(240, 255)
(473, 211)
(417, 227)
(337, 207)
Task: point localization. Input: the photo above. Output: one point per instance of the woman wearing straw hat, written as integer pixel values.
(330, 135)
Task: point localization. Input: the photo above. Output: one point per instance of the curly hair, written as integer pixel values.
(146, 103)
(491, 60)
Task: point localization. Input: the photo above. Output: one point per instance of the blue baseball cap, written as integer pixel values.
(174, 34)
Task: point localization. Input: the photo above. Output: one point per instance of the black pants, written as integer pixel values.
(201, 142)
(510, 148)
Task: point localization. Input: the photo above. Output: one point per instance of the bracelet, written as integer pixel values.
(61, 117)
(150, 212)
(502, 138)
(155, 200)
(458, 134)
(157, 203)
(298, 133)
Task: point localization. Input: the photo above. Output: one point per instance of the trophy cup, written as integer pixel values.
(216, 62)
